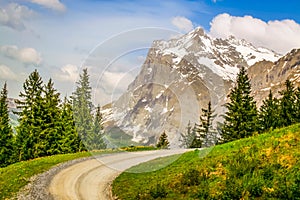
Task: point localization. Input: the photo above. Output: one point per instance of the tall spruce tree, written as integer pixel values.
(297, 105)
(287, 105)
(197, 140)
(206, 131)
(50, 136)
(96, 138)
(82, 108)
(30, 117)
(70, 141)
(241, 116)
(187, 137)
(6, 134)
(269, 113)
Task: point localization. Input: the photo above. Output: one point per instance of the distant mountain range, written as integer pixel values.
(180, 76)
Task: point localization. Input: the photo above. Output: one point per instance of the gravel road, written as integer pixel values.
(91, 179)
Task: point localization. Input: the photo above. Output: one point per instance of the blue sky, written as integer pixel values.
(111, 38)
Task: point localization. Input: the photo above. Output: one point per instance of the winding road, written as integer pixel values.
(91, 179)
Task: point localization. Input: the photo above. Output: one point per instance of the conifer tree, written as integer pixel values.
(297, 105)
(197, 141)
(70, 141)
(95, 139)
(82, 107)
(187, 137)
(30, 117)
(50, 136)
(6, 134)
(205, 130)
(241, 116)
(287, 105)
(269, 113)
(163, 142)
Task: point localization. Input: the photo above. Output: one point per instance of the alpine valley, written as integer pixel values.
(180, 76)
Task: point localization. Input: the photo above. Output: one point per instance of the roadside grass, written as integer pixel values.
(138, 148)
(16, 176)
(265, 166)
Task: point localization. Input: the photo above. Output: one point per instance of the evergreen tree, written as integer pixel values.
(70, 141)
(50, 136)
(241, 116)
(163, 142)
(269, 113)
(206, 131)
(197, 141)
(30, 117)
(6, 134)
(297, 105)
(82, 107)
(96, 141)
(188, 137)
(287, 105)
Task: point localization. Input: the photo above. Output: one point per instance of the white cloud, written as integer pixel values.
(13, 16)
(182, 23)
(280, 36)
(25, 55)
(52, 4)
(69, 73)
(6, 73)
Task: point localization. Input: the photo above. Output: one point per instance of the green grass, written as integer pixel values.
(16, 176)
(266, 166)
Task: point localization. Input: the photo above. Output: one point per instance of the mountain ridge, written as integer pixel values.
(178, 78)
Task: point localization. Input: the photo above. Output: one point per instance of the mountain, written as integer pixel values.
(266, 75)
(12, 107)
(180, 76)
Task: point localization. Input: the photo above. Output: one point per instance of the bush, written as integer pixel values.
(191, 178)
(158, 192)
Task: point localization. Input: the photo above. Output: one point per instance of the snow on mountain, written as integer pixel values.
(209, 50)
(178, 78)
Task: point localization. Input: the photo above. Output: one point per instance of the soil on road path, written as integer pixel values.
(91, 179)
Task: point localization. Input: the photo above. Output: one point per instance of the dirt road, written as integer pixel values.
(91, 179)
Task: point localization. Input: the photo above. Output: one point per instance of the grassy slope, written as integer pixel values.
(16, 176)
(261, 167)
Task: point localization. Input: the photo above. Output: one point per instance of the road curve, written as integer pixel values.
(91, 179)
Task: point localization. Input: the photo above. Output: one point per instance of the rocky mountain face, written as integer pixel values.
(180, 76)
(266, 75)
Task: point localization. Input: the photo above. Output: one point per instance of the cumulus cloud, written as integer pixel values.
(6, 73)
(13, 16)
(182, 23)
(69, 73)
(25, 55)
(52, 4)
(278, 35)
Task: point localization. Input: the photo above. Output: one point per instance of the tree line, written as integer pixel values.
(242, 118)
(48, 125)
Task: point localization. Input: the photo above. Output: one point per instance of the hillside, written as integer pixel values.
(261, 167)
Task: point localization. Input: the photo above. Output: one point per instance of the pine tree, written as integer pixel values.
(188, 137)
(206, 131)
(82, 107)
(30, 117)
(70, 141)
(95, 139)
(297, 105)
(241, 116)
(197, 141)
(269, 113)
(163, 142)
(50, 136)
(6, 134)
(287, 104)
